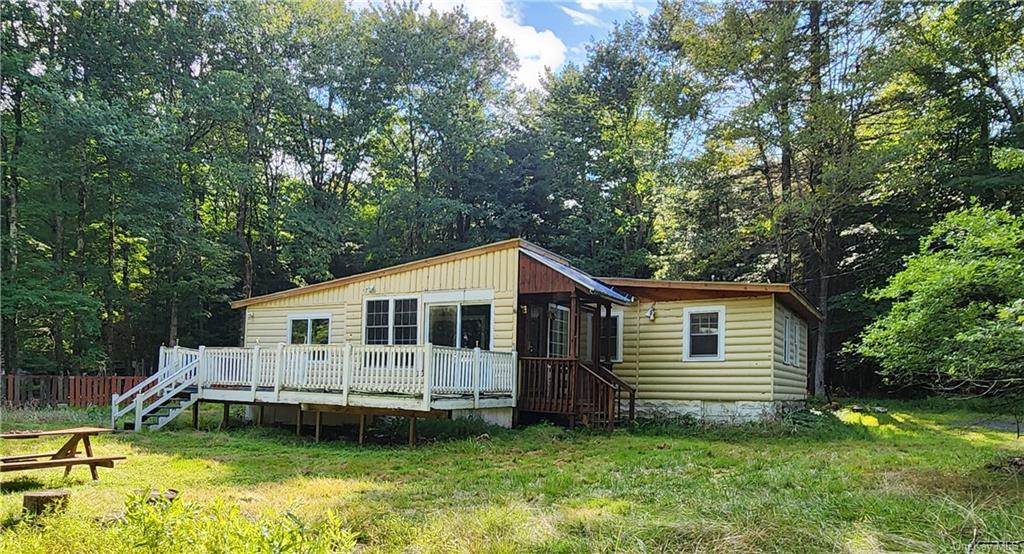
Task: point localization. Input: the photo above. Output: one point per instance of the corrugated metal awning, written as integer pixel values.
(588, 283)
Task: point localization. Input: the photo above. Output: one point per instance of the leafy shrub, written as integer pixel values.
(957, 320)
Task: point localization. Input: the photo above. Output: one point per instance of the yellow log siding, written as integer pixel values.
(495, 271)
(652, 352)
(790, 380)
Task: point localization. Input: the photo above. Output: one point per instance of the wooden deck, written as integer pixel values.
(419, 378)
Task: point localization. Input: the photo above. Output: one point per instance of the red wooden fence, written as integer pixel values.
(50, 390)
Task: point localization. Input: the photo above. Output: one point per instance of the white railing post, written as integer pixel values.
(254, 368)
(138, 412)
(428, 373)
(278, 370)
(346, 372)
(515, 375)
(476, 377)
(113, 410)
(200, 370)
(176, 364)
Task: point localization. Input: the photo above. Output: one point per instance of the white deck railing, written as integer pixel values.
(419, 370)
(421, 373)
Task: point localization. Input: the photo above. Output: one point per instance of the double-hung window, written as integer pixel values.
(793, 333)
(309, 329)
(558, 332)
(704, 334)
(787, 342)
(391, 321)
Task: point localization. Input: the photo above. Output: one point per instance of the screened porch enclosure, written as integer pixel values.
(568, 338)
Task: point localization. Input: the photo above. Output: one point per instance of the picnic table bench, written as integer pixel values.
(66, 457)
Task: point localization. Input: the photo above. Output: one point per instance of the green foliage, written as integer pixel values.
(185, 526)
(160, 158)
(955, 325)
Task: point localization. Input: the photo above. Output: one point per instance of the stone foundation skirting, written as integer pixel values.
(716, 411)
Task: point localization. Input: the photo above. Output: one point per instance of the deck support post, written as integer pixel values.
(259, 414)
(195, 415)
(316, 433)
(362, 427)
(226, 415)
(298, 420)
(412, 432)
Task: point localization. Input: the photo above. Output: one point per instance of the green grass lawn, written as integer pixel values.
(914, 479)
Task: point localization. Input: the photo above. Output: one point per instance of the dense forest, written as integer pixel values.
(163, 158)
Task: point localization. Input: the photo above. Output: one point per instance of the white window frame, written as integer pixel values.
(309, 317)
(787, 338)
(801, 332)
(391, 317)
(687, 312)
(469, 300)
(568, 331)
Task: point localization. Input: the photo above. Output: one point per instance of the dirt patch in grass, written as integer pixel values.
(1012, 464)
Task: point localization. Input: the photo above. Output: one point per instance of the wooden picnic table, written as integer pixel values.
(66, 457)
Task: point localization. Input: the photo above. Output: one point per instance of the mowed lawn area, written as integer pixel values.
(914, 479)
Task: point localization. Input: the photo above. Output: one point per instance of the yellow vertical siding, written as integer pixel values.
(790, 381)
(652, 352)
(496, 271)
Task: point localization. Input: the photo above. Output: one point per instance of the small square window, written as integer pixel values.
(703, 334)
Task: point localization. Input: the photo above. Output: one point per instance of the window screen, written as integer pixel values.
(704, 334)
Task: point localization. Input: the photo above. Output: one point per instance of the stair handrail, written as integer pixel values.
(141, 411)
(116, 411)
(624, 386)
(171, 393)
(612, 388)
(597, 375)
(608, 377)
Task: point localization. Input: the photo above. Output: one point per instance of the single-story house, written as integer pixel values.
(506, 331)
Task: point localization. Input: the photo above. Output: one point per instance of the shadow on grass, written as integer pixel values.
(20, 484)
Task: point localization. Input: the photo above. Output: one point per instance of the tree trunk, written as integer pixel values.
(39, 502)
(172, 337)
(10, 323)
(78, 340)
(57, 323)
(821, 342)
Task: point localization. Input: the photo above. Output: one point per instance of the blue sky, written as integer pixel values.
(548, 33)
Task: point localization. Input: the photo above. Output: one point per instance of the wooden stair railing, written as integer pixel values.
(595, 398)
(547, 385)
(565, 386)
(605, 369)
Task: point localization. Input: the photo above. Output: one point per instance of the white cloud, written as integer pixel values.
(535, 49)
(597, 5)
(581, 18)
